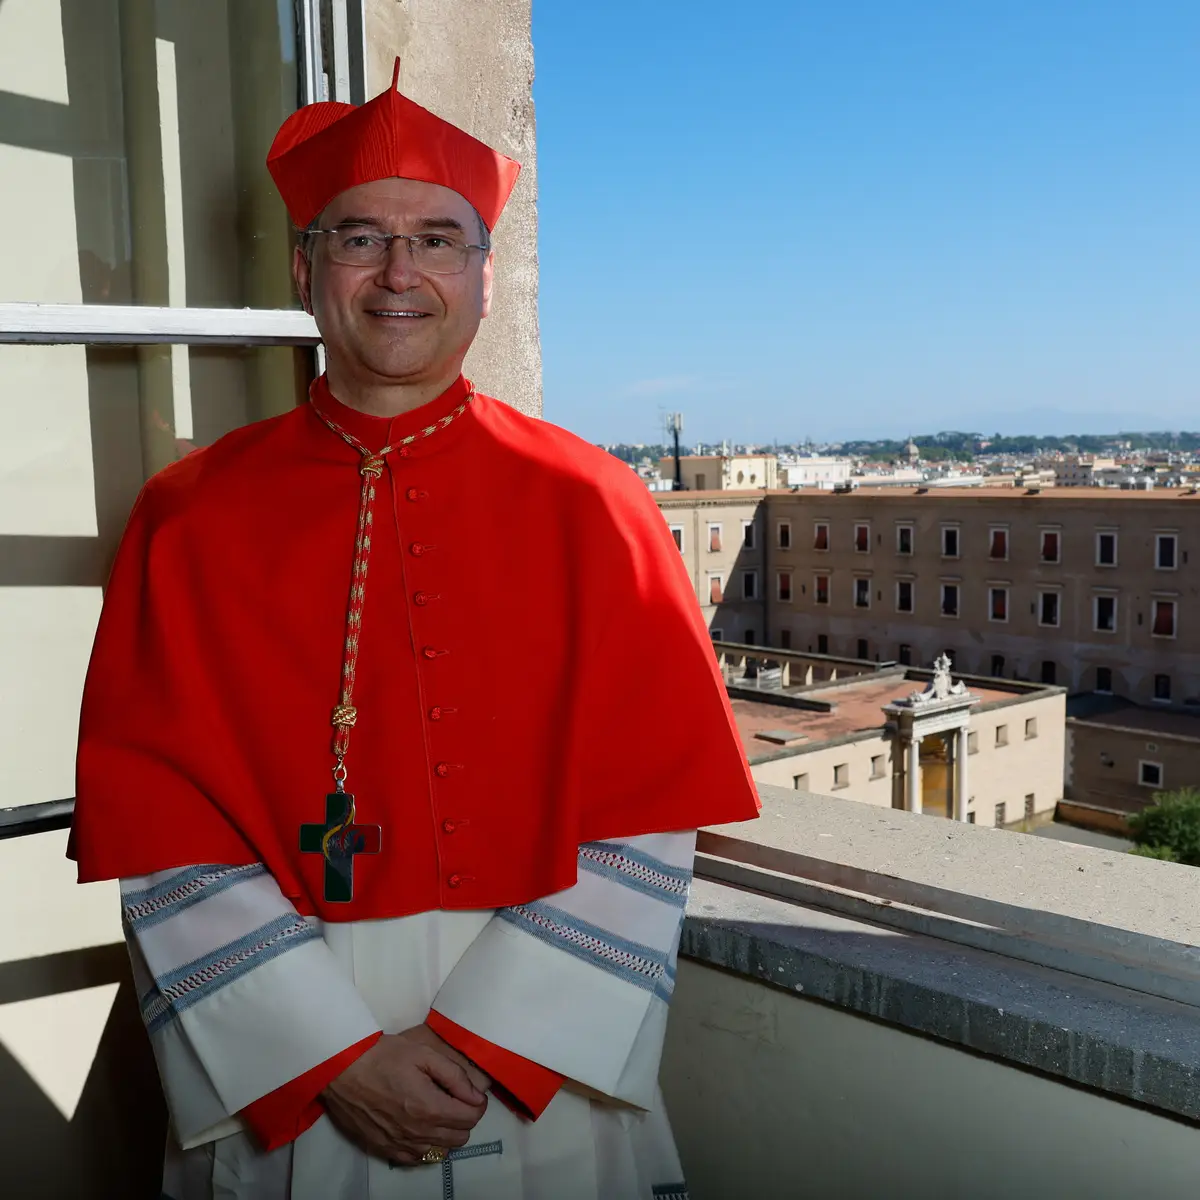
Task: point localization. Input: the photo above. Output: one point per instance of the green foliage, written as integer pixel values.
(1170, 826)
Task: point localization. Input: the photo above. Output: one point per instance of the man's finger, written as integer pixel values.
(453, 1079)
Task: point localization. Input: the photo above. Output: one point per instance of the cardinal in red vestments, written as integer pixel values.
(403, 825)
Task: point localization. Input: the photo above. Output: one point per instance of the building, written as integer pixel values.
(1084, 471)
(815, 471)
(854, 738)
(723, 472)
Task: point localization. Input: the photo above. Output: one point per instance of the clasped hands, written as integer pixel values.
(411, 1092)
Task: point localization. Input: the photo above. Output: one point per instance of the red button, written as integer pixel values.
(435, 713)
(431, 652)
(421, 599)
(416, 549)
(413, 495)
(448, 827)
(454, 881)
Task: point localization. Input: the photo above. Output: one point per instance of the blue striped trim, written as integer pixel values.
(641, 872)
(641, 966)
(180, 989)
(180, 891)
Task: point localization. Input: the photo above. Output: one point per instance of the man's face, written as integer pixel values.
(392, 323)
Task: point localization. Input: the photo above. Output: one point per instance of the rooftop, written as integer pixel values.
(1117, 713)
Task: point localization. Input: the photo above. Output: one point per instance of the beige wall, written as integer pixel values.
(714, 472)
(1104, 764)
(770, 1094)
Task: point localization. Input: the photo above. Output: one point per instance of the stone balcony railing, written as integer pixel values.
(870, 1004)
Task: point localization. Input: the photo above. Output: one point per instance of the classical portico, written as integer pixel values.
(943, 708)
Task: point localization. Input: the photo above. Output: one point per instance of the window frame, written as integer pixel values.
(954, 527)
(680, 540)
(749, 534)
(911, 584)
(720, 531)
(947, 616)
(1143, 763)
(1161, 536)
(862, 525)
(1056, 532)
(1116, 548)
(844, 768)
(750, 585)
(861, 579)
(817, 589)
(1108, 691)
(780, 576)
(993, 530)
(717, 577)
(782, 542)
(1155, 601)
(817, 527)
(1041, 596)
(1004, 590)
(910, 528)
(1096, 598)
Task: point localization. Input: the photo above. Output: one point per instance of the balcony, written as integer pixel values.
(870, 1004)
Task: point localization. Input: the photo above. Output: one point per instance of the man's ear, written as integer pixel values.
(488, 266)
(302, 274)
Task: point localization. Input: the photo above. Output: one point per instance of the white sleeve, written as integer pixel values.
(239, 993)
(580, 981)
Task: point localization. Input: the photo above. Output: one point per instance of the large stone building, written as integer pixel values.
(723, 472)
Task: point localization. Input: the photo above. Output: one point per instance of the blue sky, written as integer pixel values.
(869, 217)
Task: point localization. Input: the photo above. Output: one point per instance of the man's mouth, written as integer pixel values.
(396, 313)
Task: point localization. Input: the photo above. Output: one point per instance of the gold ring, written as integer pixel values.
(435, 1154)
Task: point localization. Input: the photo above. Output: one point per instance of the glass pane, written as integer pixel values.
(133, 135)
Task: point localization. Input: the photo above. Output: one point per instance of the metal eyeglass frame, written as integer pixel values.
(410, 238)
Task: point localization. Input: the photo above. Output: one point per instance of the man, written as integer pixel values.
(447, 974)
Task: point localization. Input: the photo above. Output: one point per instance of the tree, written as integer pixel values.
(1170, 827)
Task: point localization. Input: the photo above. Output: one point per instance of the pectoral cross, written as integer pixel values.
(339, 840)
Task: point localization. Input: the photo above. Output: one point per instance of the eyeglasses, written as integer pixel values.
(366, 246)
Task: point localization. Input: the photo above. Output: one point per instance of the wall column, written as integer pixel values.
(912, 775)
(962, 794)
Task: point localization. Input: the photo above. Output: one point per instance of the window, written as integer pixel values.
(785, 639)
(1001, 735)
(904, 539)
(905, 655)
(747, 535)
(821, 536)
(1150, 774)
(970, 818)
(998, 604)
(949, 599)
(1049, 672)
(1104, 614)
(783, 586)
(1050, 546)
(997, 666)
(1001, 815)
(1165, 551)
(864, 651)
(701, 481)
(877, 768)
(715, 589)
(714, 539)
(1048, 609)
(949, 541)
(1162, 687)
(822, 643)
(1030, 799)
(904, 596)
(821, 589)
(972, 743)
(1104, 680)
(750, 638)
(800, 782)
(841, 776)
(749, 585)
(998, 542)
(717, 635)
(1106, 549)
(1164, 619)
(677, 534)
(862, 539)
(783, 535)
(862, 593)
(1030, 728)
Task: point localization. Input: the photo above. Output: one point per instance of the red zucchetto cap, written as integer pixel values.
(323, 149)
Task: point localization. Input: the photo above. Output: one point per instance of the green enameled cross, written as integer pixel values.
(340, 850)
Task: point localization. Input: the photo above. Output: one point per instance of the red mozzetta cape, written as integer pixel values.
(533, 672)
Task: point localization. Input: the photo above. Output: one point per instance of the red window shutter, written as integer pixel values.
(999, 544)
(821, 542)
(714, 591)
(785, 585)
(714, 540)
(1050, 547)
(1164, 618)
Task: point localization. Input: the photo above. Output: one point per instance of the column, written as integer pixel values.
(962, 794)
(912, 775)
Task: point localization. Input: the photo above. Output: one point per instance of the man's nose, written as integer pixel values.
(398, 271)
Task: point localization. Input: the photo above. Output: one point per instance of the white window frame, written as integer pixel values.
(828, 589)
(862, 525)
(681, 540)
(854, 592)
(1058, 533)
(717, 635)
(719, 576)
(1096, 611)
(828, 527)
(1112, 533)
(992, 531)
(954, 616)
(780, 526)
(912, 595)
(1174, 603)
(1160, 537)
(1143, 763)
(749, 535)
(720, 528)
(999, 587)
(947, 527)
(912, 538)
(1042, 592)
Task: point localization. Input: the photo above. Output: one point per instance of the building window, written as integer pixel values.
(750, 638)
(862, 538)
(949, 599)
(821, 536)
(904, 539)
(785, 639)
(1106, 549)
(1165, 551)
(822, 643)
(784, 535)
(1150, 774)
(998, 543)
(1162, 687)
(904, 596)
(905, 655)
(783, 586)
(1001, 815)
(998, 604)
(877, 768)
(1048, 609)
(1030, 804)
(747, 535)
(701, 481)
(949, 541)
(1104, 614)
(749, 585)
(1030, 728)
(972, 743)
(970, 818)
(1049, 672)
(841, 776)
(717, 635)
(862, 593)
(997, 666)
(1164, 619)
(714, 539)
(1051, 549)
(864, 651)
(1001, 735)
(1104, 680)
(715, 589)
(800, 782)
(677, 534)
(821, 589)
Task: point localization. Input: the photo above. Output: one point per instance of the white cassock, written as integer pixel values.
(241, 995)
